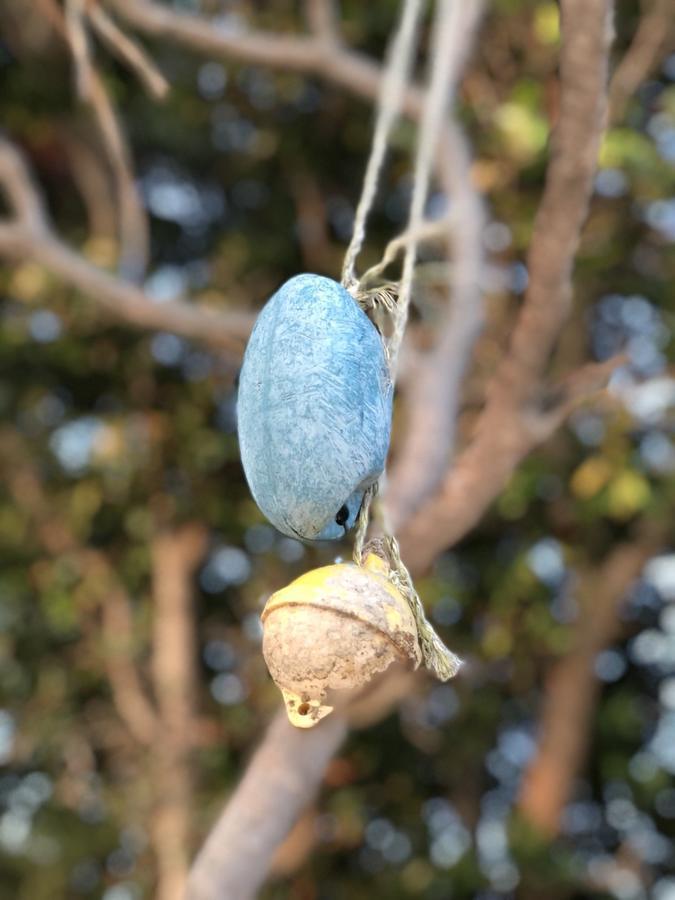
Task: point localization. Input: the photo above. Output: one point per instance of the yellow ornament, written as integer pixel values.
(334, 628)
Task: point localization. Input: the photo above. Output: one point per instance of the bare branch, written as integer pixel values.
(226, 329)
(586, 35)
(15, 181)
(95, 188)
(571, 688)
(129, 697)
(175, 555)
(484, 468)
(133, 226)
(320, 15)
(29, 237)
(433, 394)
(651, 40)
(265, 48)
(78, 41)
(431, 230)
(129, 52)
(133, 222)
(509, 426)
(280, 781)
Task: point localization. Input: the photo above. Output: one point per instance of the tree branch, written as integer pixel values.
(320, 15)
(571, 688)
(175, 554)
(280, 781)
(291, 52)
(28, 236)
(651, 39)
(129, 697)
(132, 224)
(23, 199)
(128, 51)
(511, 423)
(432, 395)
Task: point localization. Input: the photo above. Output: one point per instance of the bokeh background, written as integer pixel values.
(111, 436)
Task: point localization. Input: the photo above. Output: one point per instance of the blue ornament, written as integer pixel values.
(314, 408)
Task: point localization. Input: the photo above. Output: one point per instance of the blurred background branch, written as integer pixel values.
(571, 688)
(510, 425)
(72, 27)
(175, 556)
(28, 236)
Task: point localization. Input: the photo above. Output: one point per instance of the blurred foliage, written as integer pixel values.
(249, 177)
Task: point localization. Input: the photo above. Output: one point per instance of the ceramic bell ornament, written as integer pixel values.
(333, 629)
(314, 408)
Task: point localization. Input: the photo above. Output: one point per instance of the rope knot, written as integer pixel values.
(436, 657)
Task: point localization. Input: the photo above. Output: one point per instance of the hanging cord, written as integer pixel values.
(443, 73)
(444, 69)
(362, 523)
(393, 84)
(435, 655)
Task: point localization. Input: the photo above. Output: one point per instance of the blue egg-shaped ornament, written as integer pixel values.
(314, 408)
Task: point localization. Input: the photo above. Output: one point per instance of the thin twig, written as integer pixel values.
(653, 36)
(131, 702)
(76, 35)
(133, 221)
(129, 52)
(132, 225)
(95, 188)
(23, 199)
(429, 231)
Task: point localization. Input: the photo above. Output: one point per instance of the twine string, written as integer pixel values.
(394, 299)
(394, 80)
(436, 657)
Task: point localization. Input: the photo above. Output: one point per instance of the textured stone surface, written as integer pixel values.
(314, 408)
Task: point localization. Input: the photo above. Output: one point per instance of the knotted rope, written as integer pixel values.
(395, 298)
(435, 655)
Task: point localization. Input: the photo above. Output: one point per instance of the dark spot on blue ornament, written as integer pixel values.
(342, 516)
(314, 408)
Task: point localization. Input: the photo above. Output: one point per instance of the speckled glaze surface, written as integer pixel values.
(314, 408)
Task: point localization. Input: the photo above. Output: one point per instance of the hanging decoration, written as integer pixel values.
(314, 410)
(314, 425)
(333, 629)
